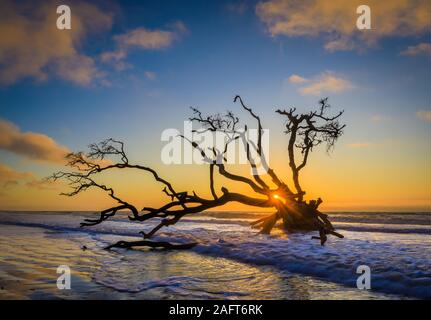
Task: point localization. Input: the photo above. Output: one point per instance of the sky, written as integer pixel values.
(131, 69)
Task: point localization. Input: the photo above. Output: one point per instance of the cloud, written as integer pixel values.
(144, 39)
(340, 44)
(326, 82)
(420, 49)
(294, 78)
(424, 115)
(336, 20)
(43, 184)
(34, 146)
(10, 177)
(32, 47)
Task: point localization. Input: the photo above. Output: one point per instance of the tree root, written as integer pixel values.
(305, 220)
(151, 244)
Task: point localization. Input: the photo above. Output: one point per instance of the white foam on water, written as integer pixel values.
(398, 251)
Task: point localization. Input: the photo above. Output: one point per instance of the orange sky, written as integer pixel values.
(132, 72)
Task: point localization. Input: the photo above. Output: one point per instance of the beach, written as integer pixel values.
(231, 261)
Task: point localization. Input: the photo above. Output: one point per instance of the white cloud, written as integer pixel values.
(326, 82)
(294, 78)
(335, 20)
(31, 46)
(34, 146)
(420, 49)
(340, 44)
(144, 39)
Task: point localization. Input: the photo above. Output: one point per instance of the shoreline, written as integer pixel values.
(90, 281)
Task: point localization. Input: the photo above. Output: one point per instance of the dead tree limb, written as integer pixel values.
(305, 132)
(308, 130)
(151, 244)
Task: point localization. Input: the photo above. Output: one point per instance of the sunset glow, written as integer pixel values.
(238, 150)
(134, 79)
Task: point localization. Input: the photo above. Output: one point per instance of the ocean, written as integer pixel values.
(231, 261)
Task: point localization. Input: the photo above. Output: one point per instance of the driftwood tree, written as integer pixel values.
(304, 131)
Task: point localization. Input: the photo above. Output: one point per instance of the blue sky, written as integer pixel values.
(219, 49)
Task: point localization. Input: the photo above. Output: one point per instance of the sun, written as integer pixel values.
(278, 197)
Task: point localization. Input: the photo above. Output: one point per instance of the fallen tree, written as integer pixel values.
(305, 131)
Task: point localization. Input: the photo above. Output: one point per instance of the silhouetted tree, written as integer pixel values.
(305, 132)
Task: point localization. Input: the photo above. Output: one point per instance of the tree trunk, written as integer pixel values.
(298, 216)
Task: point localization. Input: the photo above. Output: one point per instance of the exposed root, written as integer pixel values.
(302, 217)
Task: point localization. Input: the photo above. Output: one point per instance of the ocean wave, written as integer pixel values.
(398, 256)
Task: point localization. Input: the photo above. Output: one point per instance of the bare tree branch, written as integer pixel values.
(306, 131)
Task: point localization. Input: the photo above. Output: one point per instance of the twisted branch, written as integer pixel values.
(306, 132)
